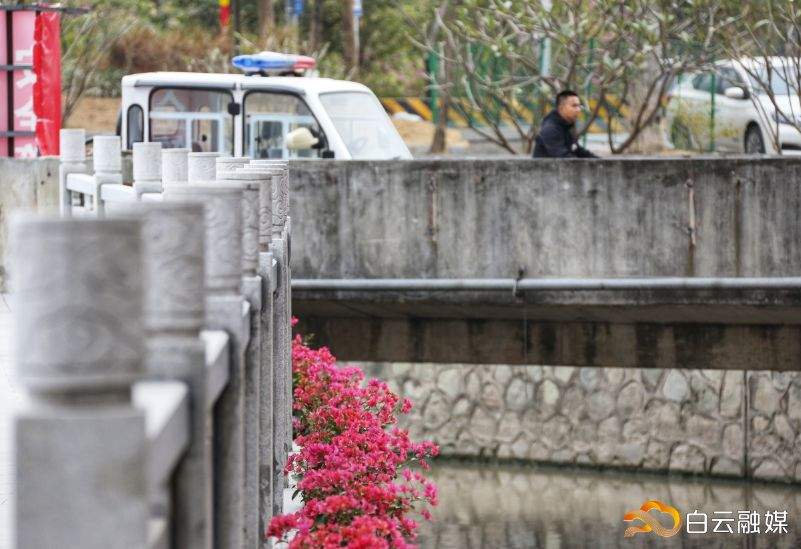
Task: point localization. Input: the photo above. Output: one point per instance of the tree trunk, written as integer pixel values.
(316, 26)
(349, 36)
(266, 21)
(650, 139)
(439, 144)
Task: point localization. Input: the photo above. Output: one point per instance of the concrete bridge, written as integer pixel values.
(491, 292)
(151, 357)
(632, 313)
(563, 263)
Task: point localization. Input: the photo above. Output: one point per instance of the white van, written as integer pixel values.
(252, 115)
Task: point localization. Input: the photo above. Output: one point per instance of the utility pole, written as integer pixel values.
(357, 15)
(266, 21)
(294, 9)
(237, 26)
(545, 51)
(315, 27)
(350, 34)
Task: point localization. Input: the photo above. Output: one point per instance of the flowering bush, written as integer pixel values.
(352, 468)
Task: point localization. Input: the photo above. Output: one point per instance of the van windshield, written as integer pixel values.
(364, 126)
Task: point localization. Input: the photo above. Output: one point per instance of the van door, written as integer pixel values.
(269, 117)
(197, 119)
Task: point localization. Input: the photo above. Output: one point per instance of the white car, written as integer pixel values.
(727, 110)
(258, 115)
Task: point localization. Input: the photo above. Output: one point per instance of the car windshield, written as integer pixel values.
(781, 79)
(361, 121)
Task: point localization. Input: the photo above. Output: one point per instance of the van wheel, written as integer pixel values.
(754, 144)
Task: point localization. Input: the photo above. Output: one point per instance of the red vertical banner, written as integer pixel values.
(23, 81)
(225, 12)
(47, 89)
(4, 76)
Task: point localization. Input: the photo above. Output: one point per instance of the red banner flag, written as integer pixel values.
(47, 89)
(225, 12)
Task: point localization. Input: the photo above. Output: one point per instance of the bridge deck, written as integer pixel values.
(752, 307)
(726, 328)
(8, 395)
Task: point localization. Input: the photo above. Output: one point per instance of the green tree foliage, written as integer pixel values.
(122, 36)
(769, 37)
(621, 55)
(86, 40)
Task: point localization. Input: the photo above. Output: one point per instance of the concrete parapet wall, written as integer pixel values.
(28, 184)
(487, 218)
(733, 216)
(742, 424)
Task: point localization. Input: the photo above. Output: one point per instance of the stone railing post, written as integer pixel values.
(252, 290)
(224, 310)
(72, 145)
(281, 322)
(270, 478)
(174, 167)
(80, 447)
(173, 235)
(226, 164)
(107, 160)
(147, 168)
(202, 166)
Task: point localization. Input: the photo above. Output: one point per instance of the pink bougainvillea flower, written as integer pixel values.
(353, 466)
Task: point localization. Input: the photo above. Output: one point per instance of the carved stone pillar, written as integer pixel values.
(256, 456)
(202, 166)
(174, 315)
(107, 160)
(80, 445)
(72, 143)
(281, 323)
(270, 479)
(226, 164)
(147, 168)
(224, 310)
(174, 167)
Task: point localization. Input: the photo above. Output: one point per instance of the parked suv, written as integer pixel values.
(727, 110)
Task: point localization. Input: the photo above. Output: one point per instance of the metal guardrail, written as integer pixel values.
(156, 349)
(547, 284)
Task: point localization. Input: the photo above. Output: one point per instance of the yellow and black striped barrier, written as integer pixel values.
(464, 112)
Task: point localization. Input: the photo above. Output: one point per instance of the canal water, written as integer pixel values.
(544, 507)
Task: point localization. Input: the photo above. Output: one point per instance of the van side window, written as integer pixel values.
(135, 124)
(269, 117)
(192, 118)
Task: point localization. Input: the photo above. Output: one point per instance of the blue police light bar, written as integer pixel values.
(272, 61)
(264, 61)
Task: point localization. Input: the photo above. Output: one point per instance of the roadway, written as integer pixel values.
(9, 395)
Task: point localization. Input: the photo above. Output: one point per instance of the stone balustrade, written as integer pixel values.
(154, 343)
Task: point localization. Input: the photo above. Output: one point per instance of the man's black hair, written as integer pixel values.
(564, 94)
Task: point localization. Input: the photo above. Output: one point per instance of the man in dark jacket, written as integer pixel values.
(556, 138)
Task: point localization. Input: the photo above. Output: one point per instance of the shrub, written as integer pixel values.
(353, 466)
